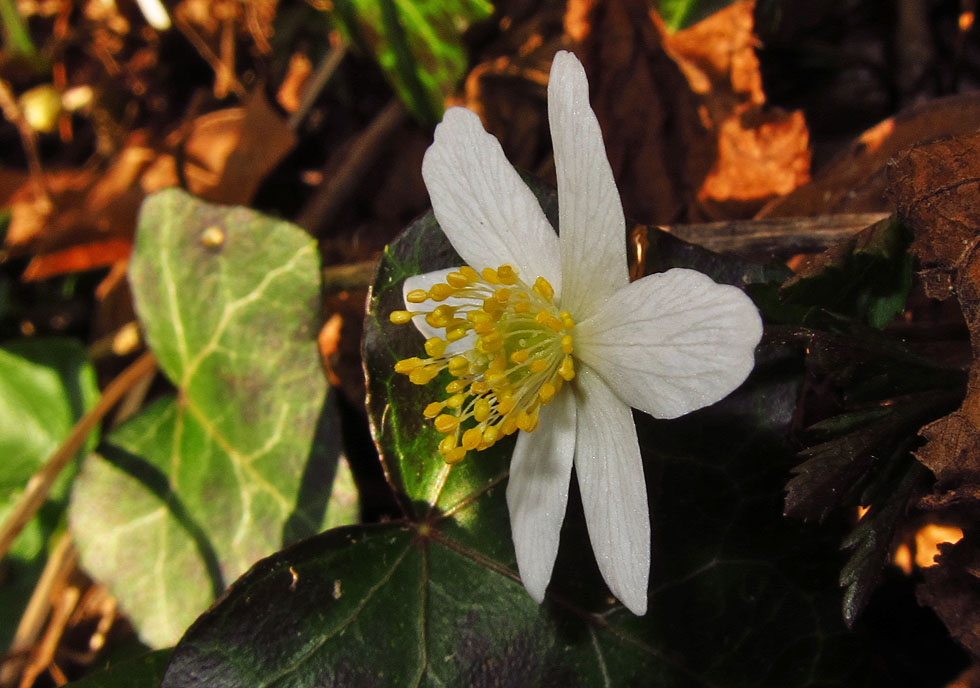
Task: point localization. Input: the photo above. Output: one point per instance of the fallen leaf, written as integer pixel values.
(935, 186)
(761, 152)
(225, 155)
(855, 180)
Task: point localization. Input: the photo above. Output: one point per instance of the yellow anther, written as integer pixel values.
(435, 347)
(507, 274)
(520, 356)
(527, 422)
(407, 365)
(498, 365)
(481, 410)
(554, 324)
(469, 273)
(458, 280)
(493, 308)
(502, 295)
(538, 365)
(433, 409)
(542, 317)
(454, 334)
(456, 386)
(522, 307)
(484, 328)
(544, 289)
(493, 378)
(478, 317)
(567, 368)
(417, 296)
(400, 317)
(508, 426)
(472, 438)
(479, 387)
(546, 392)
(491, 434)
(446, 423)
(491, 343)
(566, 344)
(490, 275)
(441, 291)
(567, 322)
(455, 456)
(455, 401)
(423, 375)
(458, 365)
(441, 316)
(505, 404)
(447, 444)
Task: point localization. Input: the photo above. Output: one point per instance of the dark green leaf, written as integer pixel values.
(45, 387)
(435, 600)
(144, 671)
(418, 45)
(866, 278)
(184, 497)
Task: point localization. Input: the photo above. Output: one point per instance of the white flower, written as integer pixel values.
(546, 336)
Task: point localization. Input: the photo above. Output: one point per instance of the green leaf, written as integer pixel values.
(188, 494)
(46, 385)
(680, 14)
(144, 671)
(866, 278)
(417, 43)
(737, 597)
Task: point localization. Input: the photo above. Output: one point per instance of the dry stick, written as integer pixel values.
(348, 277)
(11, 110)
(60, 563)
(328, 65)
(782, 236)
(41, 482)
(43, 654)
(335, 190)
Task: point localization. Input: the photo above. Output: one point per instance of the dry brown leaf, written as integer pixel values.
(761, 152)
(935, 187)
(226, 155)
(855, 180)
(951, 590)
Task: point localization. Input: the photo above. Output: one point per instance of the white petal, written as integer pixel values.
(590, 214)
(538, 491)
(425, 281)
(672, 342)
(614, 495)
(488, 213)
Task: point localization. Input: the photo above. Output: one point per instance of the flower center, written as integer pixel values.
(520, 355)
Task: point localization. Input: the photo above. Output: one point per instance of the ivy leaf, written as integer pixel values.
(729, 579)
(417, 44)
(46, 385)
(185, 496)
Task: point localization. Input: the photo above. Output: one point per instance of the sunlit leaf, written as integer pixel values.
(418, 45)
(45, 387)
(680, 14)
(188, 494)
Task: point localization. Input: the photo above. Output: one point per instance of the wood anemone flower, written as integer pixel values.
(546, 337)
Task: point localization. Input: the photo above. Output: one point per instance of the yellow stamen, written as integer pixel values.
(519, 360)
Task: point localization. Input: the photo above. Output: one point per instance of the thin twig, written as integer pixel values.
(781, 236)
(348, 277)
(11, 110)
(60, 563)
(328, 65)
(41, 482)
(338, 187)
(43, 654)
